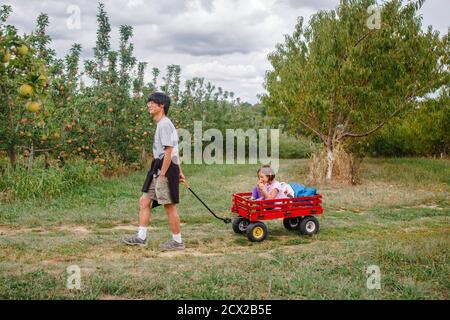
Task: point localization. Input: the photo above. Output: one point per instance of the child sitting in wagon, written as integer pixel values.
(269, 188)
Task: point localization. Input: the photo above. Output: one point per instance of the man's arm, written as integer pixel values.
(182, 177)
(167, 160)
(166, 163)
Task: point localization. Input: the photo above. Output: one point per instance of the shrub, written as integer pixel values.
(295, 148)
(46, 183)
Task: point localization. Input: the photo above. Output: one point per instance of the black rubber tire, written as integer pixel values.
(309, 226)
(256, 231)
(292, 223)
(240, 225)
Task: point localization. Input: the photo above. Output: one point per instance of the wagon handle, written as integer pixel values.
(186, 184)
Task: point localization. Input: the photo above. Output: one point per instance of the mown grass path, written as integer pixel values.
(397, 219)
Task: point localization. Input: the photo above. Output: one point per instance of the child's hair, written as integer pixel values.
(267, 171)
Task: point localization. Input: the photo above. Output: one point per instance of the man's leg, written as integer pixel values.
(162, 192)
(144, 219)
(174, 221)
(174, 218)
(144, 216)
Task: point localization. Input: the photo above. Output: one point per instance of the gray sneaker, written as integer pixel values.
(172, 245)
(134, 241)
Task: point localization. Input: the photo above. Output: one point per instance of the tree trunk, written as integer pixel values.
(46, 160)
(12, 143)
(12, 156)
(330, 161)
(31, 158)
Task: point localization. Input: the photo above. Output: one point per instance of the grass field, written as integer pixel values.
(397, 219)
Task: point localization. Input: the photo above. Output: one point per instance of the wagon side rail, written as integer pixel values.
(275, 208)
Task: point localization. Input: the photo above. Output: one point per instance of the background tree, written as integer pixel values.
(97, 113)
(339, 80)
(103, 43)
(23, 82)
(423, 131)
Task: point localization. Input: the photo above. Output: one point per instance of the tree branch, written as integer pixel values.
(402, 107)
(379, 126)
(306, 125)
(38, 150)
(359, 135)
(362, 38)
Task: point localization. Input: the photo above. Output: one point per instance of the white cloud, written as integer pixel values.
(224, 41)
(222, 72)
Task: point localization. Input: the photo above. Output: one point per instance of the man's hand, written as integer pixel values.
(182, 177)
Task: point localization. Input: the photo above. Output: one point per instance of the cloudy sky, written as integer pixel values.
(225, 41)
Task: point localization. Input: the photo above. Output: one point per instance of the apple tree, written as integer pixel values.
(23, 83)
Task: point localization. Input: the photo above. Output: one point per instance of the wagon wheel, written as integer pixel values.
(309, 226)
(240, 225)
(292, 223)
(256, 231)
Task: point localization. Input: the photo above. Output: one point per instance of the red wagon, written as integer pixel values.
(297, 214)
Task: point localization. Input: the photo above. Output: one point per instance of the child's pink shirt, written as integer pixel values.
(274, 185)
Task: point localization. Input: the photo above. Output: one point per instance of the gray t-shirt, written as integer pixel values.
(165, 135)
